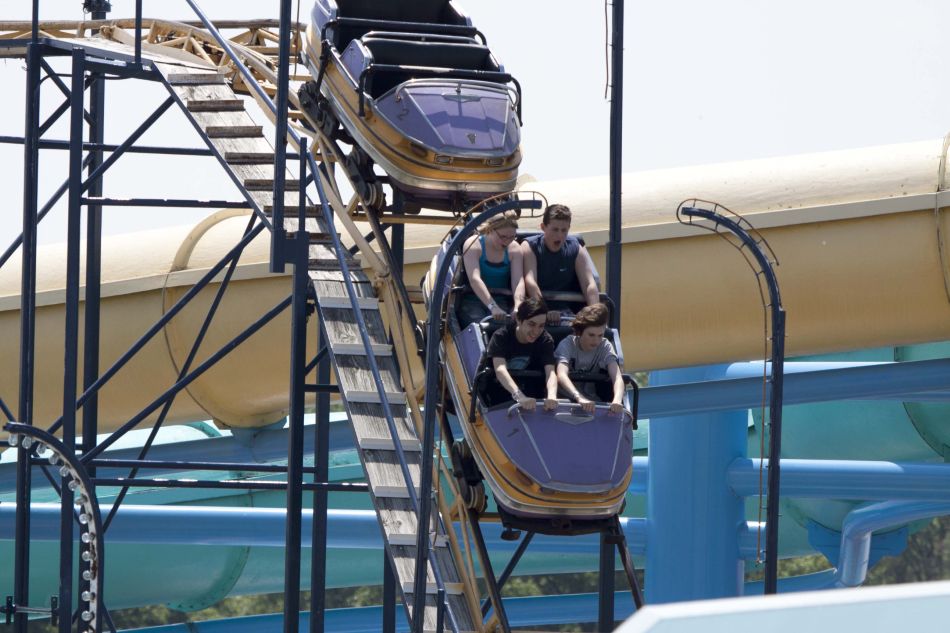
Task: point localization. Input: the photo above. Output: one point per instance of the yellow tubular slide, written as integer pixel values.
(861, 235)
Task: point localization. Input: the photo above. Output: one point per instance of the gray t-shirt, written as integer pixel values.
(569, 353)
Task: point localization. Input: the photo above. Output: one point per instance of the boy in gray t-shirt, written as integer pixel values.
(588, 351)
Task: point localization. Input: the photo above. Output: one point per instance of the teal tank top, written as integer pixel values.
(494, 275)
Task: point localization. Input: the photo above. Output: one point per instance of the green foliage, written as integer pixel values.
(789, 567)
(927, 557)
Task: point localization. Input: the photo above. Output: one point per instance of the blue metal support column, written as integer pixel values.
(689, 462)
(21, 565)
(71, 329)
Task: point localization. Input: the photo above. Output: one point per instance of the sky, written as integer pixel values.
(704, 81)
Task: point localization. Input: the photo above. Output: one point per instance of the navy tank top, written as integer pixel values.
(556, 272)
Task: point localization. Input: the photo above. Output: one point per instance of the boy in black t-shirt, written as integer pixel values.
(523, 345)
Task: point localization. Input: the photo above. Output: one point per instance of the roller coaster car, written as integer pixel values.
(549, 471)
(416, 90)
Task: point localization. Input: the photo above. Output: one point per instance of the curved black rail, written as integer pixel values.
(92, 552)
(685, 213)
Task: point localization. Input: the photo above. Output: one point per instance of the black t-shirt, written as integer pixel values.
(504, 344)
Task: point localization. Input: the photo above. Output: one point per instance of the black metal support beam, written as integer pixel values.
(90, 146)
(165, 318)
(298, 342)
(71, 329)
(321, 460)
(21, 563)
(278, 234)
(509, 568)
(389, 596)
(6, 411)
(91, 313)
(228, 347)
(185, 368)
(605, 585)
(316, 361)
(155, 464)
(215, 484)
(167, 203)
(397, 235)
(97, 172)
(614, 243)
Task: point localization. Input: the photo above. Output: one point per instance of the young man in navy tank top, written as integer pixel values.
(557, 262)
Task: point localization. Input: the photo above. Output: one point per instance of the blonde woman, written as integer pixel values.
(493, 261)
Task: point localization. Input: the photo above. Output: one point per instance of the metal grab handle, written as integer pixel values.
(603, 407)
(537, 403)
(561, 401)
(517, 407)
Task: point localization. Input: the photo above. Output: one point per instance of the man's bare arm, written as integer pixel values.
(517, 276)
(584, 268)
(530, 263)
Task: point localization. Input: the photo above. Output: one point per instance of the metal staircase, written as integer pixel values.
(366, 368)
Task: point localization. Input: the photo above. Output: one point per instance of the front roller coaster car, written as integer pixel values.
(418, 93)
(557, 471)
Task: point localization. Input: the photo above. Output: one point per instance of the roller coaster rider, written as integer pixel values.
(557, 262)
(523, 350)
(494, 265)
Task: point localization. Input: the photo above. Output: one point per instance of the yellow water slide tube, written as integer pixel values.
(861, 236)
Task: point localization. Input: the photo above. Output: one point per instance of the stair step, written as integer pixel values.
(313, 237)
(358, 349)
(365, 303)
(267, 184)
(196, 79)
(235, 131)
(372, 396)
(392, 491)
(249, 158)
(410, 540)
(372, 431)
(311, 210)
(322, 256)
(215, 105)
(451, 588)
(387, 444)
